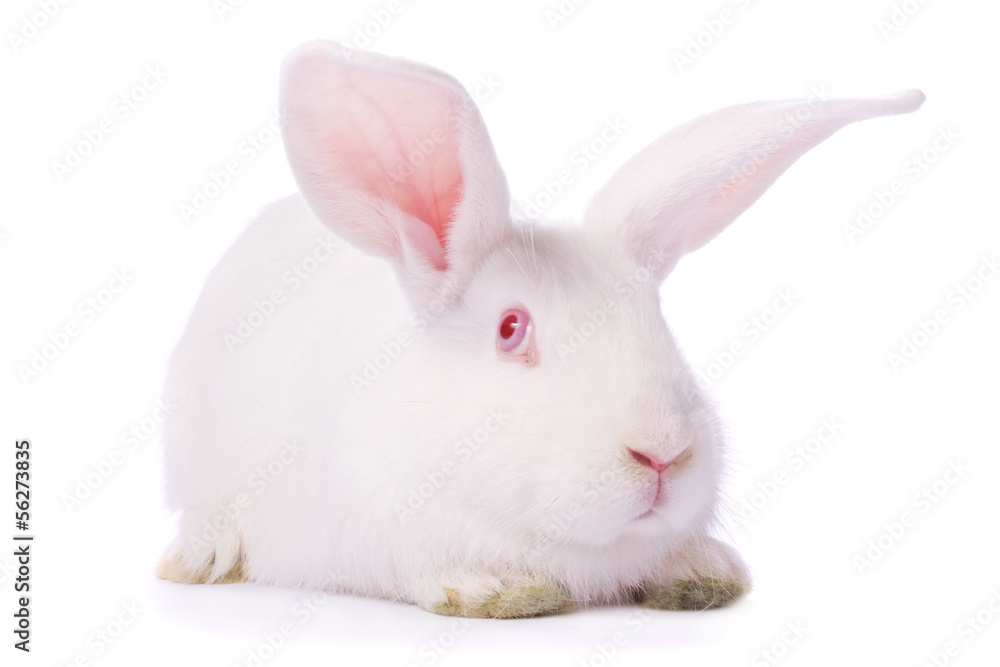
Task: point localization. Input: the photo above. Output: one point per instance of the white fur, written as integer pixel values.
(530, 502)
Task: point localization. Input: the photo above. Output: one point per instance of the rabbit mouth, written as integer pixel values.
(664, 478)
(645, 515)
(651, 499)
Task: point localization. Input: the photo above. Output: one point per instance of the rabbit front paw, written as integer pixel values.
(478, 596)
(705, 575)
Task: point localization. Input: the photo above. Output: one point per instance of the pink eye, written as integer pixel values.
(512, 334)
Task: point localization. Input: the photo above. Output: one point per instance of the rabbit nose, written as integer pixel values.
(648, 460)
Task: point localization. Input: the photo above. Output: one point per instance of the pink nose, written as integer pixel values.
(649, 461)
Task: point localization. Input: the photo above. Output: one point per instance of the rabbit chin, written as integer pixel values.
(603, 566)
(638, 520)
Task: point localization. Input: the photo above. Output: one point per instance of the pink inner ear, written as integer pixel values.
(385, 133)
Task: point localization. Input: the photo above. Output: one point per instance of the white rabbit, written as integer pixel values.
(394, 386)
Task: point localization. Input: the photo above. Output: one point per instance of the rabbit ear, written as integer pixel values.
(395, 158)
(686, 187)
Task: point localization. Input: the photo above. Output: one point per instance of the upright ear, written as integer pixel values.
(683, 189)
(394, 157)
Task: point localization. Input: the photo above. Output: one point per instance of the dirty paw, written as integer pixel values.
(512, 601)
(171, 568)
(696, 594)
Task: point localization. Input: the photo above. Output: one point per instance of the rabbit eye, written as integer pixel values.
(512, 333)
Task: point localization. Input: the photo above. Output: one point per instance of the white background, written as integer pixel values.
(556, 86)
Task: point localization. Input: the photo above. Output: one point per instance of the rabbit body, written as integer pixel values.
(311, 472)
(354, 406)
